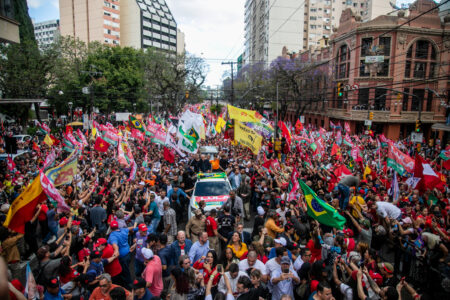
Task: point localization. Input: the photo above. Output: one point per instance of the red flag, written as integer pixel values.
(36, 147)
(335, 150)
(169, 155)
(285, 131)
(11, 164)
(101, 145)
(69, 129)
(298, 126)
(54, 140)
(428, 177)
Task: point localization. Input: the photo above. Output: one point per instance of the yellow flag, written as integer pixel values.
(94, 132)
(244, 115)
(367, 171)
(48, 140)
(247, 137)
(220, 123)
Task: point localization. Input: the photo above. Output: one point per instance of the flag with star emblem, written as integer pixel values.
(320, 210)
(101, 145)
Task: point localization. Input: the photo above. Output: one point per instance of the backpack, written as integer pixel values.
(40, 276)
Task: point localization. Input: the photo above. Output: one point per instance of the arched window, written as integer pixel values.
(421, 60)
(343, 62)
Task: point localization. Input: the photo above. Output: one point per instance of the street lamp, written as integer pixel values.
(134, 107)
(71, 113)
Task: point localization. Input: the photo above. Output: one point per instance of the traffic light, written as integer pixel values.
(339, 89)
(418, 125)
(187, 94)
(371, 116)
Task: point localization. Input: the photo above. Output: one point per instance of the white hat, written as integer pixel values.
(261, 211)
(281, 241)
(141, 183)
(147, 253)
(4, 208)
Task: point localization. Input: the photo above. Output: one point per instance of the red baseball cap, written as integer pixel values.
(76, 223)
(100, 241)
(63, 221)
(348, 232)
(142, 227)
(114, 225)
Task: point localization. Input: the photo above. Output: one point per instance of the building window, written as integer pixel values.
(363, 97)
(366, 46)
(385, 45)
(419, 95)
(343, 62)
(422, 59)
(429, 101)
(379, 102)
(405, 99)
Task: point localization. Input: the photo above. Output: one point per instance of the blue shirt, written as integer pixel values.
(166, 256)
(154, 208)
(120, 238)
(140, 243)
(180, 192)
(48, 296)
(198, 250)
(147, 296)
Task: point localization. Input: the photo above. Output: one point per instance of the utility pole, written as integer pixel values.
(231, 63)
(93, 74)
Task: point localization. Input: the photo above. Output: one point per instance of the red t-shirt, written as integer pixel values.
(68, 277)
(113, 268)
(43, 214)
(211, 225)
(316, 253)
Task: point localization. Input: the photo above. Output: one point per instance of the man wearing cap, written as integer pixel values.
(96, 266)
(141, 292)
(119, 240)
(53, 290)
(140, 242)
(363, 227)
(195, 226)
(283, 280)
(279, 242)
(113, 268)
(153, 272)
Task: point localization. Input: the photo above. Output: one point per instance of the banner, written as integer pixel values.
(247, 137)
(399, 161)
(82, 137)
(63, 174)
(50, 159)
(52, 193)
(220, 124)
(170, 142)
(243, 115)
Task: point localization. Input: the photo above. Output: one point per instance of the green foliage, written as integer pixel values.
(31, 131)
(216, 108)
(26, 29)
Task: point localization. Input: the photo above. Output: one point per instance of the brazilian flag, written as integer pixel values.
(137, 124)
(320, 210)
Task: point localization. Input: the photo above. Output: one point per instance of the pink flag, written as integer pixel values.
(50, 159)
(347, 127)
(82, 137)
(137, 134)
(295, 185)
(52, 192)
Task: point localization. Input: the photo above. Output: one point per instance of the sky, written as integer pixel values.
(214, 29)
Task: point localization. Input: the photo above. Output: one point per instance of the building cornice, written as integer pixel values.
(410, 30)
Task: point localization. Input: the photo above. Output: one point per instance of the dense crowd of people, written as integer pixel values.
(133, 239)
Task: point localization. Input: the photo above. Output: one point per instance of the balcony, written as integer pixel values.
(381, 116)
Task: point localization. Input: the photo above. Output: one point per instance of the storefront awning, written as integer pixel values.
(440, 127)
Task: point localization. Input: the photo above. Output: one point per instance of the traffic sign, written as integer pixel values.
(416, 137)
(368, 122)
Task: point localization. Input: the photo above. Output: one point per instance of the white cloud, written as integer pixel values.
(35, 3)
(213, 29)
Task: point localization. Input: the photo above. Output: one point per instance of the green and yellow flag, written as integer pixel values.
(137, 124)
(320, 210)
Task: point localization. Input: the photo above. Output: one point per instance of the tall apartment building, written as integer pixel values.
(91, 20)
(269, 26)
(9, 32)
(132, 23)
(46, 32)
(148, 23)
(322, 15)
